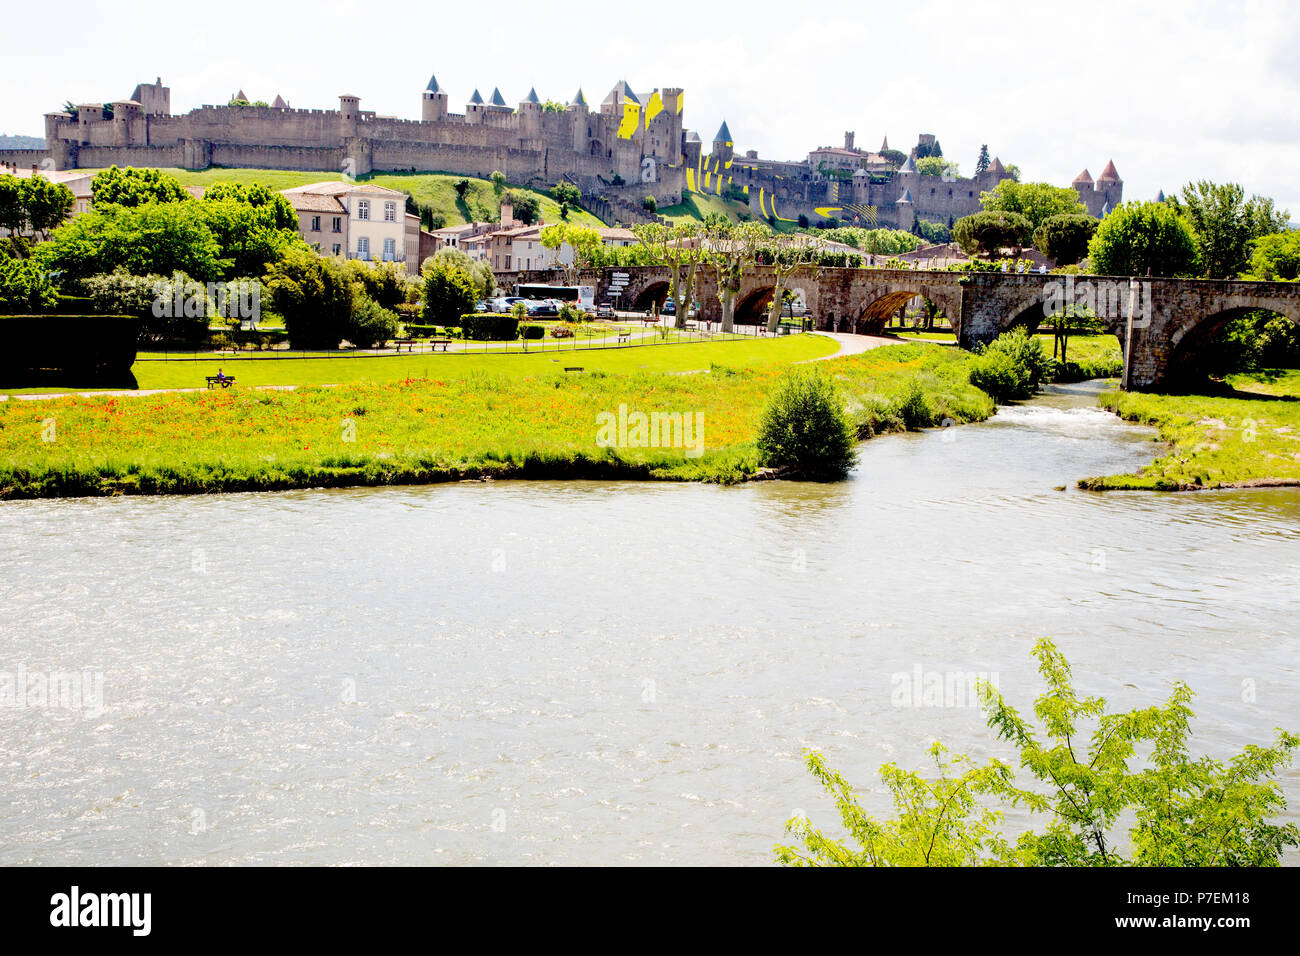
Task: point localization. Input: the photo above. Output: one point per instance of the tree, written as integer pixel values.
(650, 205)
(987, 233)
(805, 428)
(788, 256)
(498, 181)
(1143, 238)
(1276, 256)
(449, 293)
(679, 247)
(134, 187)
(983, 163)
(1180, 810)
(462, 188)
(936, 166)
(1225, 223)
(732, 249)
(161, 238)
(1065, 237)
(584, 245)
(33, 203)
(895, 157)
(480, 270)
(527, 208)
(1035, 201)
(314, 295)
(566, 192)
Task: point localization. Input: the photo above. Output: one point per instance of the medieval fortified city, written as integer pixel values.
(525, 479)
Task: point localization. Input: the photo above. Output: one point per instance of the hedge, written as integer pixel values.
(532, 331)
(490, 327)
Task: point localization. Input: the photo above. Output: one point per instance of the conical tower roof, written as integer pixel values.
(997, 169)
(532, 95)
(1160, 196)
(433, 86)
(241, 95)
(476, 99)
(578, 100)
(724, 134)
(1109, 174)
(279, 103)
(497, 98)
(1084, 177)
(906, 197)
(884, 144)
(628, 94)
(909, 167)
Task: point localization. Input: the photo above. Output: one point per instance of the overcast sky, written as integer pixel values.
(1172, 92)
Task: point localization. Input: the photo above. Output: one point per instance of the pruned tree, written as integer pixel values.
(788, 256)
(731, 250)
(680, 247)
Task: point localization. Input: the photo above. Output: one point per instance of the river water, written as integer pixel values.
(565, 673)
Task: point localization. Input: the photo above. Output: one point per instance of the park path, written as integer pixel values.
(853, 344)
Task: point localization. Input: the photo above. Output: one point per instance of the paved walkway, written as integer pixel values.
(851, 344)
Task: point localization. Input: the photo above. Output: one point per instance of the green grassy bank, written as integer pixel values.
(1247, 437)
(428, 429)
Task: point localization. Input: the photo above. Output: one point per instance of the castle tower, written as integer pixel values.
(723, 145)
(530, 116)
(349, 112)
(87, 115)
(1111, 186)
(578, 111)
(475, 108)
(848, 139)
(433, 102)
(906, 209)
(673, 101)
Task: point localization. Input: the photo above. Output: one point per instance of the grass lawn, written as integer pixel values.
(436, 190)
(486, 423)
(258, 369)
(1246, 438)
(1090, 356)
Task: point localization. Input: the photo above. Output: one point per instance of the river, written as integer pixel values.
(589, 672)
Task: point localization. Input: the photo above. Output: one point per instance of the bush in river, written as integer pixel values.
(1012, 367)
(804, 427)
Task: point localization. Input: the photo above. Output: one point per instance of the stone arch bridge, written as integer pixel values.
(1172, 320)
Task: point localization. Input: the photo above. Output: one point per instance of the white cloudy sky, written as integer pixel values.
(1172, 91)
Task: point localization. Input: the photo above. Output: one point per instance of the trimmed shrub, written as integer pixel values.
(805, 428)
(371, 324)
(532, 331)
(490, 327)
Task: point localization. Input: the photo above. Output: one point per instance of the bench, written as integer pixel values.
(624, 336)
(214, 381)
(574, 368)
(443, 343)
(409, 343)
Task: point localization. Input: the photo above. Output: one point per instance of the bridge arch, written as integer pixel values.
(1192, 343)
(752, 306)
(653, 295)
(879, 306)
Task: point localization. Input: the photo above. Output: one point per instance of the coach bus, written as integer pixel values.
(584, 295)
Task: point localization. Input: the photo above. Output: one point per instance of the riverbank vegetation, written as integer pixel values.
(478, 424)
(1247, 436)
(1180, 810)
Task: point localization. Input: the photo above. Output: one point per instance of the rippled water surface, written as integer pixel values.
(599, 672)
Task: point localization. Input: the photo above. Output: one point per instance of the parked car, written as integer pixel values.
(504, 303)
(543, 307)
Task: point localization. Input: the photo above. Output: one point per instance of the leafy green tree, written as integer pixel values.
(895, 157)
(1035, 201)
(1065, 237)
(805, 428)
(280, 211)
(1185, 811)
(370, 324)
(527, 207)
(134, 187)
(584, 244)
(732, 250)
(449, 293)
(161, 238)
(650, 205)
(384, 282)
(1276, 256)
(13, 211)
(462, 188)
(498, 182)
(46, 204)
(678, 247)
(314, 295)
(25, 287)
(1143, 238)
(985, 233)
(937, 166)
(566, 192)
(479, 269)
(1225, 223)
(932, 232)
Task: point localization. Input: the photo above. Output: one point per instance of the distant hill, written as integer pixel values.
(21, 142)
